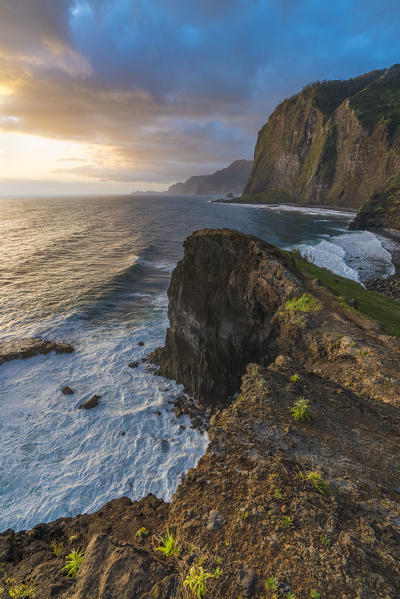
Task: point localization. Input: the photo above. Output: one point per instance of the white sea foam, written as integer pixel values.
(356, 255)
(58, 460)
(295, 208)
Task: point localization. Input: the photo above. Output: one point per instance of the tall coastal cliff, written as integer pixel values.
(280, 505)
(333, 144)
(231, 179)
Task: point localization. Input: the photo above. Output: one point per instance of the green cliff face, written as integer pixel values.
(333, 144)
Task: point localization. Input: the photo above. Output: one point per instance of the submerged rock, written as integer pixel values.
(90, 403)
(26, 348)
(67, 390)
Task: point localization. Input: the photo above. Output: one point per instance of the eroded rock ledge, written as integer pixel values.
(312, 506)
(32, 346)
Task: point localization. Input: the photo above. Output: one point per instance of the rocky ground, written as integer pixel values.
(26, 348)
(389, 286)
(278, 507)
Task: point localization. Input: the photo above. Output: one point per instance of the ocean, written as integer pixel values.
(94, 271)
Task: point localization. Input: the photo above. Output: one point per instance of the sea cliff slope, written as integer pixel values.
(285, 502)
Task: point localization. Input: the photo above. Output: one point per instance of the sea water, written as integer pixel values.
(94, 271)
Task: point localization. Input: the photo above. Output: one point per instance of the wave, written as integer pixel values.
(356, 255)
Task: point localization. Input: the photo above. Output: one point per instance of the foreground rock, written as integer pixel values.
(26, 348)
(312, 505)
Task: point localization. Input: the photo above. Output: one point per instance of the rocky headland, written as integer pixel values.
(334, 144)
(229, 180)
(298, 494)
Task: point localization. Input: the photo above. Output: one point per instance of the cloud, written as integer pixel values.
(175, 87)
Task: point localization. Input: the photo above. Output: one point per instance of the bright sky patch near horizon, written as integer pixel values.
(109, 96)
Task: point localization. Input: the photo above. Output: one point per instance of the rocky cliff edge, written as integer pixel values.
(280, 506)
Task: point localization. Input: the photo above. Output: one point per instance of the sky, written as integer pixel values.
(112, 96)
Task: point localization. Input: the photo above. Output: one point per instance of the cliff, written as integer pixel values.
(287, 501)
(382, 210)
(333, 144)
(231, 179)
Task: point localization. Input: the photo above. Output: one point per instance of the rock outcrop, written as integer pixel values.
(229, 180)
(26, 348)
(222, 297)
(333, 144)
(309, 506)
(382, 210)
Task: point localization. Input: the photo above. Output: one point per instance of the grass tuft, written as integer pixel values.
(305, 303)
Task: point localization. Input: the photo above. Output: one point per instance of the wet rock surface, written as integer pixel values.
(26, 348)
(66, 390)
(90, 403)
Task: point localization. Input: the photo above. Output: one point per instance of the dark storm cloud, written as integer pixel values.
(176, 87)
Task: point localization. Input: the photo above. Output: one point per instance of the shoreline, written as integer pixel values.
(387, 234)
(290, 206)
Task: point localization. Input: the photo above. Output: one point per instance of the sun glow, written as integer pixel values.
(24, 156)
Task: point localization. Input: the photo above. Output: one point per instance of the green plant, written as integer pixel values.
(287, 522)
(142, 532)
(290, 595)
(326, 541)
(244, 514)
(301, 410)
(73, 562)
(217, 572)
(315, 594)
(168, 547)
(196, 581)
(218, 561)
(319, 483)
(57, 548)
(295, 378)
(271, 584)
(22, 590)
(277, 492)
(305, 303)
(73, 538)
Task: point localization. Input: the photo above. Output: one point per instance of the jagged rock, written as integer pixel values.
(125, 571)
(133, 364)
(222, 297)
(90, 403)
(26, 348)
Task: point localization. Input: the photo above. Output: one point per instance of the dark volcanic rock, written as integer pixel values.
(25, 348)
(222, 297)
(133, 364)
(90, 403)
(67, 390)
(389, 286)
